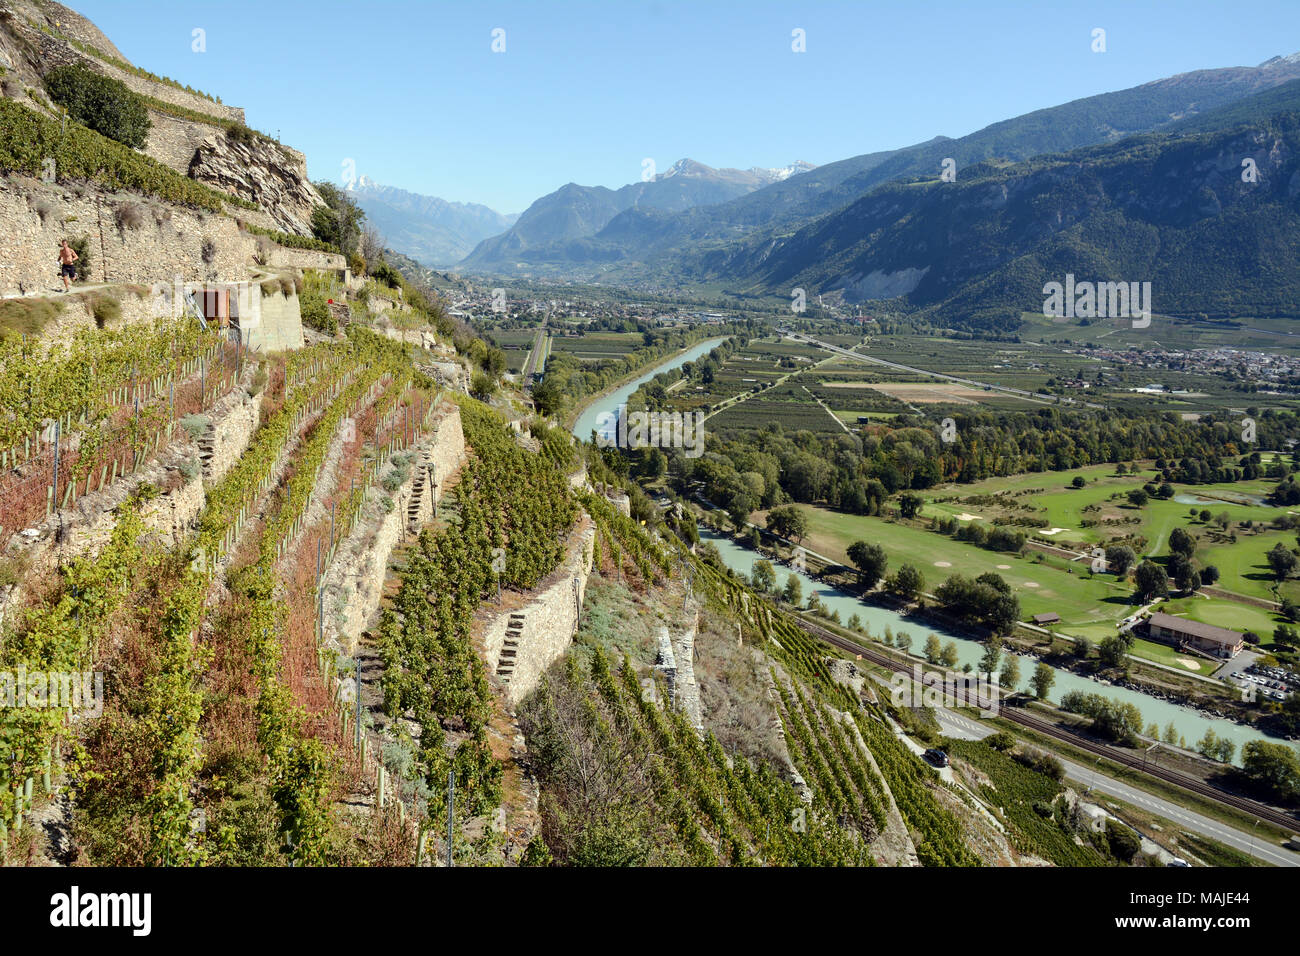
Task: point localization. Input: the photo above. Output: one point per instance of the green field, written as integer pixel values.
(1230, 614)
(1048, 496)
(1082, 600)
(1167, 655)
(1090, 605)
(597, 346)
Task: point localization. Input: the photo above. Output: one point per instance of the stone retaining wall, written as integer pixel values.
(550, 618)
(235, 419)
(173, 141)
(167, 242)
(282, 257)
(354, 581)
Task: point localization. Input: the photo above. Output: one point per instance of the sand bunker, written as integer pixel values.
(1050, 531)
(943, 564)
(967, 516)
(1004, 567)
(1190, 664)
(1031, 584)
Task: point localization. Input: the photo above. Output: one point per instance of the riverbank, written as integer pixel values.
(609, 396)
(1161, 708)
(1213, 699)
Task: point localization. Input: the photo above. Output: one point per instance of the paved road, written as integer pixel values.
(965, 728)
(530, 367)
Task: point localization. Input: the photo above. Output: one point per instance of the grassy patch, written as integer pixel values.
(104, 308)
(1081, 599)
(26, 316)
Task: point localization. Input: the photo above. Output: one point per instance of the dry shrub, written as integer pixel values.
(128, 215)
(105, 309)
(262, 254)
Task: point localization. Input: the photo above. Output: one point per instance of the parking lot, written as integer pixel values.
(1272, 683)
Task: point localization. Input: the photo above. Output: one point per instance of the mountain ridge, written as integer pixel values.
(1172, 208)
(437, 232)
(639, 244)
(574, 212)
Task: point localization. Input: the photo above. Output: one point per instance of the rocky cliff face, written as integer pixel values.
(189, 131)
(264, 172)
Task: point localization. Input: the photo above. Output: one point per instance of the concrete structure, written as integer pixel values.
(1207, 638)
(277, 325)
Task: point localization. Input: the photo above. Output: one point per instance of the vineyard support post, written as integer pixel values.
(57, 429)
(358, 696)
(451, 813)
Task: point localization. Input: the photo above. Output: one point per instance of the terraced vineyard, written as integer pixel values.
(508, 502)
(838, 776)
(708, 809)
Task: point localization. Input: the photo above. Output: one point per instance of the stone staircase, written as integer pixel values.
(418, 511)
(510, 647)
(207, 443)
(666, 664)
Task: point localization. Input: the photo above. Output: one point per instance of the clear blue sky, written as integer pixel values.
(412, 92)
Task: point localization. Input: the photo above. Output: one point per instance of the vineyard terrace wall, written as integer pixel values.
(131, 239)
(86, 526)
(550, 617)
(234, 421)
(354, 580)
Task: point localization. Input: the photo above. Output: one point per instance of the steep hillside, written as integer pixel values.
(190, 132)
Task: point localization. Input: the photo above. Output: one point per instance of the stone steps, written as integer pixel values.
(207, 443)
(415, 507)
(510, 647)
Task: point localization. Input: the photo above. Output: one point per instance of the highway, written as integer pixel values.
(963, 727)
(530, 367)
(1230, 836)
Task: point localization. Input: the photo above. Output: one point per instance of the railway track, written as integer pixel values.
(1191, 784)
